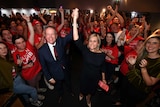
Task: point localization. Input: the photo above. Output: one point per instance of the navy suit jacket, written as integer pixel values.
(50, 67)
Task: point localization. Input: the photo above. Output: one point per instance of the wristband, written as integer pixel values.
(76, 25)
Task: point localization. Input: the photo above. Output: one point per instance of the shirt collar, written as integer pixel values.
(52, 44)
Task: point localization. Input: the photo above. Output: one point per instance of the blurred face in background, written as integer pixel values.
(13, 24)
(116, 20)
(7, 36)
(134, 30)
(66, 23)
(19, 30)
(139, 45)
(114, 28)
(38, 28)
(50, 23)
(3, 50)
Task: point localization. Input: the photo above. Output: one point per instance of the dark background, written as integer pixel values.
(150, 6)
(125, 5)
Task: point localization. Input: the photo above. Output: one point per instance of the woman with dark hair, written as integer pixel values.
(7, 39)
(110, 48)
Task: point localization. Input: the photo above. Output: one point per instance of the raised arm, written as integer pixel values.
(61, 10)
(121, 20)
(134, 36)
(111, 14)
(42, 18)
(115, 13)
(25, 27)
(31, 30)
(75, 15)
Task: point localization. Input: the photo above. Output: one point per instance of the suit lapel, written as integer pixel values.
(49, 54)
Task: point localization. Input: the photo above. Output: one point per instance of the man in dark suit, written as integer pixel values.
(54, 64)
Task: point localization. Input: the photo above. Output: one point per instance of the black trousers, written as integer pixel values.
(61, 85)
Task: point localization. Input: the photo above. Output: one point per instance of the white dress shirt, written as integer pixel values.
(51, 47)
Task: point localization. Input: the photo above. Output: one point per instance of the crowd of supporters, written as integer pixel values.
(121, 38)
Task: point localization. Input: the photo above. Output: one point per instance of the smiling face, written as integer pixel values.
(153, 45)
(94, 42)
(20, 30)
(134, 30)
(50, 35)
(20, 44)
(38, 28)
(7, 36)
(109, 38)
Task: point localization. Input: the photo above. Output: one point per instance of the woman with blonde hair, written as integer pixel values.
(93, 62)
(145, 73)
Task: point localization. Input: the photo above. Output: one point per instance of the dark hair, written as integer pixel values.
(8, 56)
(3, 30)
(15, 37)
(113, 41)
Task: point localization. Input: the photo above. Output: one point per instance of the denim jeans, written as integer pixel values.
(20, 87)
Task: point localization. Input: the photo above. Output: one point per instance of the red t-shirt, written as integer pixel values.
(37, 38)
(124, 65)
(134, 42)
(96, 29)
(112, 51)
(11, 47)
(27, 55)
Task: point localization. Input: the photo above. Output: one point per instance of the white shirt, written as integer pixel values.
(51, 47)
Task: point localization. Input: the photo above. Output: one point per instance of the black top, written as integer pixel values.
(93, 66)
